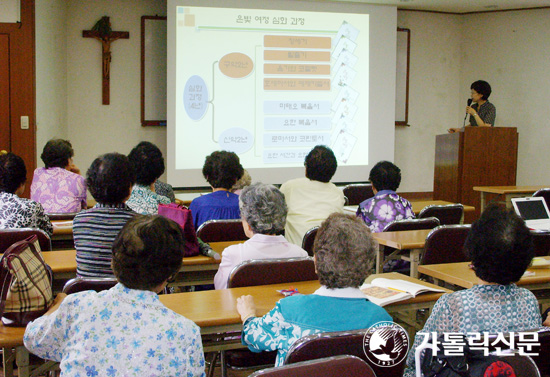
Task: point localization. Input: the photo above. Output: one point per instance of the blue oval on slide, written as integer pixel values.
(195, 97)
(236, 140)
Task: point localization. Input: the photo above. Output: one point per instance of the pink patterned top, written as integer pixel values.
(58, 190)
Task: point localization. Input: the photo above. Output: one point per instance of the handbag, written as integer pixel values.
(26, 283)
(184, 218)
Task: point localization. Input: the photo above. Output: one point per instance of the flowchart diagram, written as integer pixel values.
(279, 90)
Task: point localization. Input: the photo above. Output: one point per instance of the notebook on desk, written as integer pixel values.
(534, 211)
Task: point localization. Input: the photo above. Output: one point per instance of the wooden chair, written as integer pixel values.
(10, 236)
(545, 193)
(262, 272)
(88, 284)
(338, 343)
(222, 231)
(386, 253)
(61, 216)
(357, 192)
(325, 367)
(445, 243)
(309, 238)
(541, 241)
(448, 214)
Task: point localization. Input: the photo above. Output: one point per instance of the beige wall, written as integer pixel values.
(448, 52)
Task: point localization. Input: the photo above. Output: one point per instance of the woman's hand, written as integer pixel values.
(246, 307)
(547, 320)
(470, 110)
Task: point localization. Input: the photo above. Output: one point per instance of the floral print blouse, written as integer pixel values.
(16, 212)
(118, 332)
(144, 201)
(386, 206)
(59, 190)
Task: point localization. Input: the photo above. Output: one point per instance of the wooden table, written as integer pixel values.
(508, 192)
(197, 270)
(215, 312)
(412, 240)
(461, 275)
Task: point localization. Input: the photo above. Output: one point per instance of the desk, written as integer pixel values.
(460, 274)
(62, 237)
(194, 270)
(508, 192)
(215, 312)
(412, 240)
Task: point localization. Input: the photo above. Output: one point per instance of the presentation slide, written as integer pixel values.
(268, 85)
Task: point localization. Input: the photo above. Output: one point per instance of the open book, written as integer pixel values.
(383, 291)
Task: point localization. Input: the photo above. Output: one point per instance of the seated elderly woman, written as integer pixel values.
(386, 206)
(344, 254)
(110, 179)
(17, 212)
(221, 169)
(501, 249)
(125, 330)
(263, 213)
(148, 165)
(58, 186)
(311, 199)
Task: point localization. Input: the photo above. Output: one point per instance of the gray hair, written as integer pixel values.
(344, 251)
(264, 208)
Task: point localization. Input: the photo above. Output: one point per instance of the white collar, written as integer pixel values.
(348, 292)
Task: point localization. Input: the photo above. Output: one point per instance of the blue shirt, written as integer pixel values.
(297, 316)
(219, 205)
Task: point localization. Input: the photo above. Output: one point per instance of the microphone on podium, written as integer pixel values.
(465, 116)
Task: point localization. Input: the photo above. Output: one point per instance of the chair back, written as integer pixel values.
(88, 284)
(10, 236)
(448, 214)
(545, 193)
(357, 192)
(540, 353)
(272, 271)
(541, 242)
(222, 231)
(411, 224)
(309, 238)
(339, 343)
(61, 215)
(445, 243)
(325, 367)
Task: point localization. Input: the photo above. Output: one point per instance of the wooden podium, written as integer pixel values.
(479, 156)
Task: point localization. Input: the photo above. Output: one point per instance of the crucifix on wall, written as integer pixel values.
(103, 33)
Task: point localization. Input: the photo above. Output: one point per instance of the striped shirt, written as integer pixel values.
(94, 232)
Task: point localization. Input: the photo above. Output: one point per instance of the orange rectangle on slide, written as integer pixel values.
(297, 69)
(295, 56)
(296, 84)
(295, 41)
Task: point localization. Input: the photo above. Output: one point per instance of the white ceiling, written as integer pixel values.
(459, 6)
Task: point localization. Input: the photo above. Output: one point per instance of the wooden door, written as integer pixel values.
(4, 93)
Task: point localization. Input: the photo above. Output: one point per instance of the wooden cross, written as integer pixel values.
(103, 33)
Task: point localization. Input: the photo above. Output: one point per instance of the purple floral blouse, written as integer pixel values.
(385, 207)
(58, 190)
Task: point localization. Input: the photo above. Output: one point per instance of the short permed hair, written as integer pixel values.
(385, 176)
(56, 153)
(148, 251)
(222, 169)
(344, 251)
(110, 178)
(264, 208)
(13, 172)
(148, 163)
(482, 87)
(244, 181)
(500, 246)
(320, 164)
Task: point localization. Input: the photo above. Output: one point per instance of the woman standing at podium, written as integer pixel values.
(482, 112)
